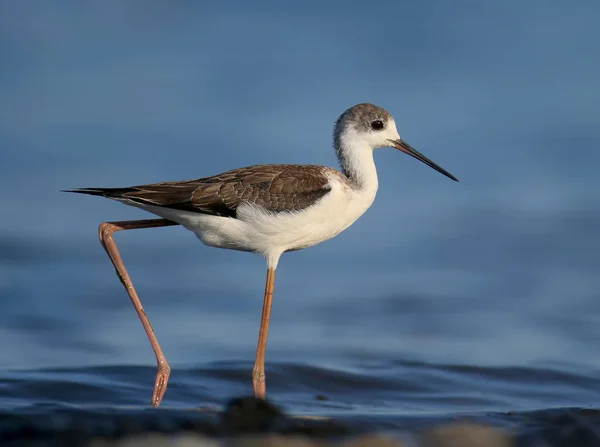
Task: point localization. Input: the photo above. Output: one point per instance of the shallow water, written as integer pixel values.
(526, 405)
(386, 388)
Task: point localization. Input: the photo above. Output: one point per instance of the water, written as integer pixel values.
(478, 298)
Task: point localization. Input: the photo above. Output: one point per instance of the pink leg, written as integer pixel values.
(258, 374)
(106, 231)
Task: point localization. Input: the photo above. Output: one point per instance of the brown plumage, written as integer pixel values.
(274, 187)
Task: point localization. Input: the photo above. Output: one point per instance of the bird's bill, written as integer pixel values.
(403, 146)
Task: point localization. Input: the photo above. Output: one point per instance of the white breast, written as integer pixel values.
(270, 234)
(295, 230)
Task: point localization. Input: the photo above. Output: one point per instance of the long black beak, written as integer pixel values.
(408, 149)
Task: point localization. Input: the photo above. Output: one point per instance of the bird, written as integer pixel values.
(266, 209)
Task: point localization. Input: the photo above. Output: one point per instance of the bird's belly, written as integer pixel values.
(258, 230)
(214, 231)
(296, 230)
(302, 234)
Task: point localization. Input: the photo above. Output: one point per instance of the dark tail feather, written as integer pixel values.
(111, 193)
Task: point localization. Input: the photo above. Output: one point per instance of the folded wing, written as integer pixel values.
(277, 188)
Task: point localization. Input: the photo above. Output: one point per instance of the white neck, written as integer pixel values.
(356, 160)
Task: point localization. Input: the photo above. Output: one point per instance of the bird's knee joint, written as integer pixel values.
(164, 367)
(105, 230)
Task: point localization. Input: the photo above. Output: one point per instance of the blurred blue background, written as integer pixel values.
(499, 269)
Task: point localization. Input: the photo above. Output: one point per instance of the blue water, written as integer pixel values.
(481, 296)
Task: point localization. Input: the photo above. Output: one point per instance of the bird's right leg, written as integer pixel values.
(106, 231)
(258, 373)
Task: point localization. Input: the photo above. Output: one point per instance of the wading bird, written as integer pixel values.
(265, 209)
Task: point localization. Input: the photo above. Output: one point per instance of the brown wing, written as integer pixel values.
(274, 187)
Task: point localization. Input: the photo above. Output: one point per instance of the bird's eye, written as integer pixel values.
(377, 125)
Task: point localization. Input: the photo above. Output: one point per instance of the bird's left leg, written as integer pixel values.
(106, 231)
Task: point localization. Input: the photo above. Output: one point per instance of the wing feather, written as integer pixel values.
(274, 187)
